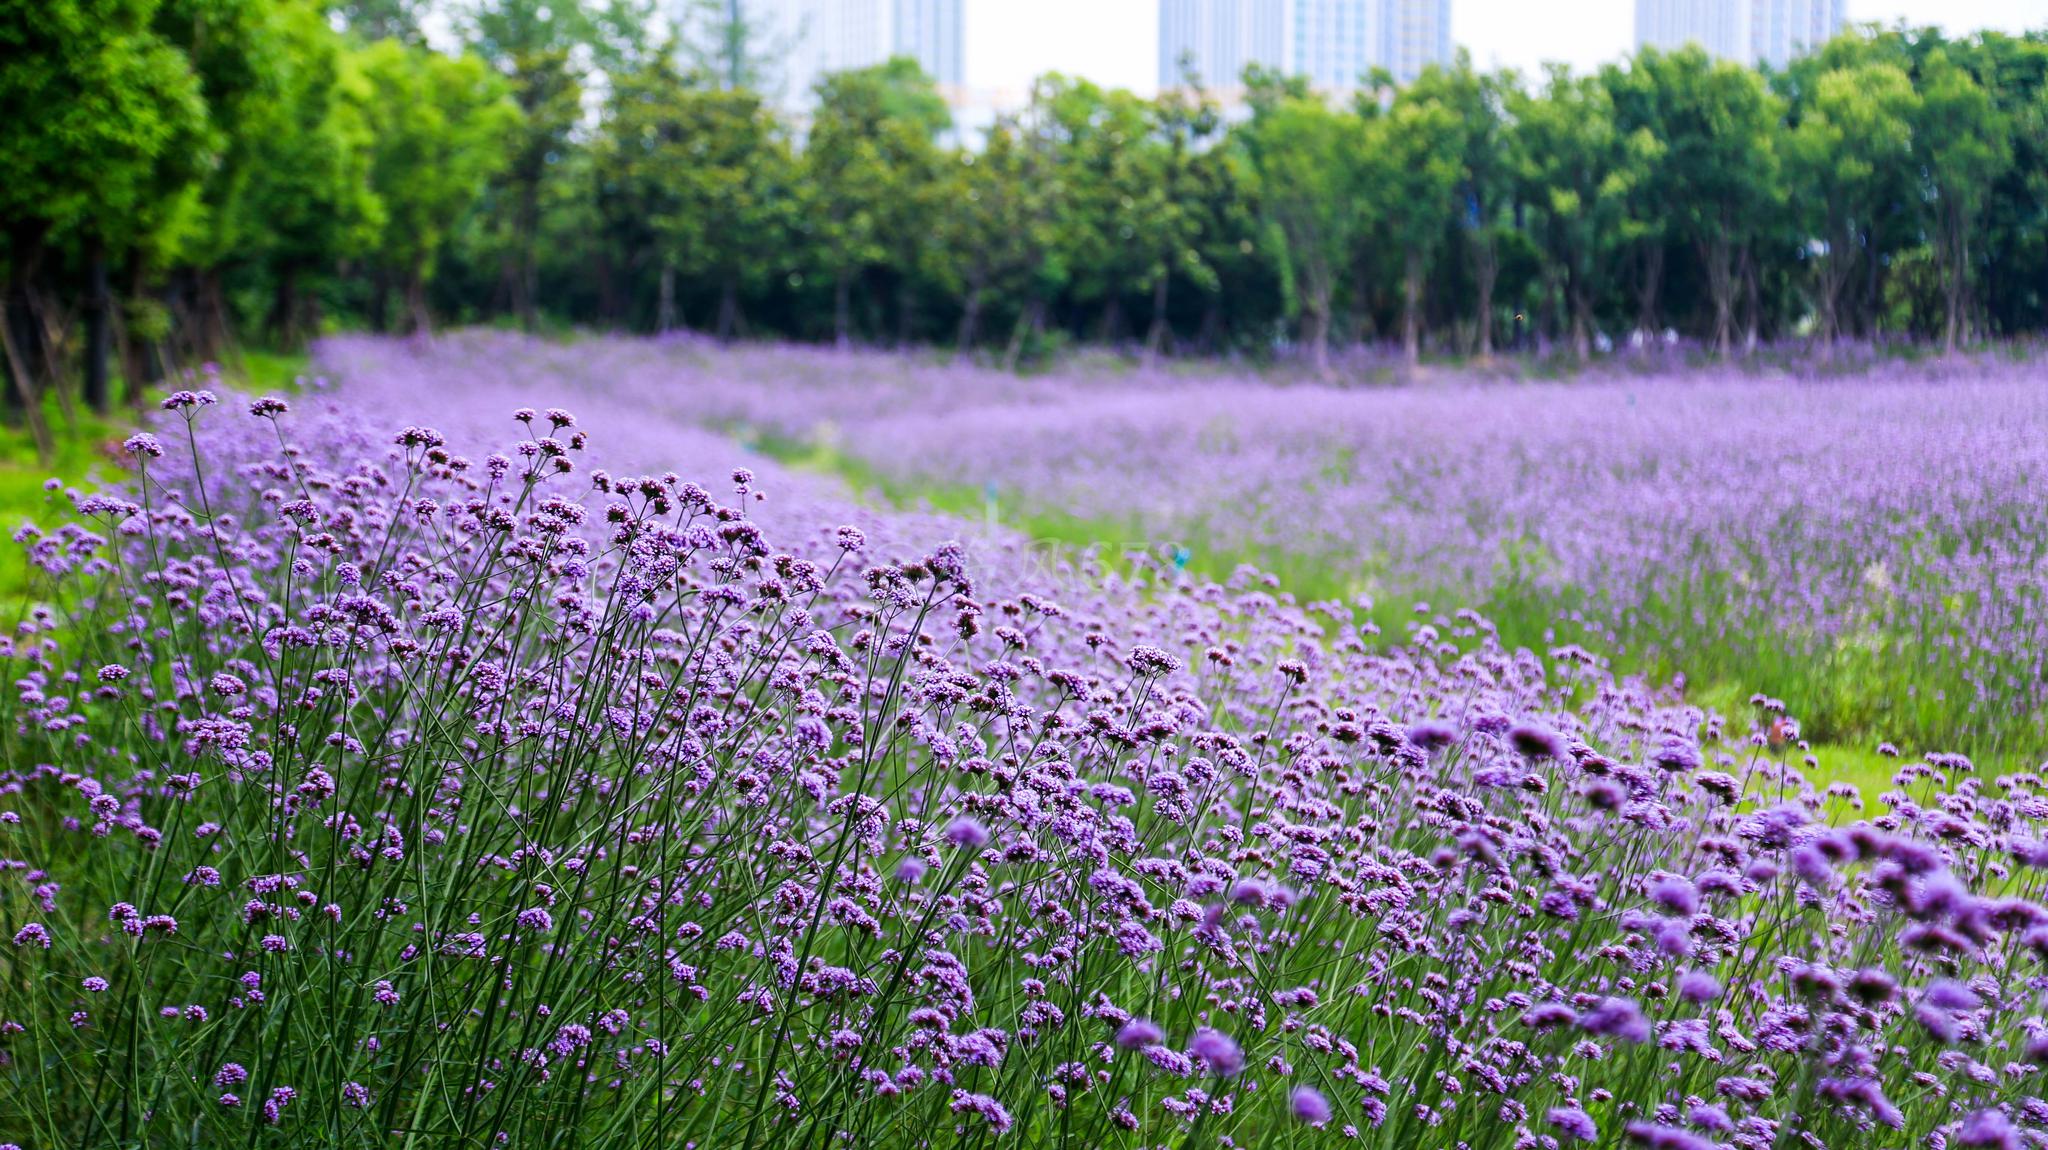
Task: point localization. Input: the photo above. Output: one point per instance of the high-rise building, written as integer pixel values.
(933, 32)
(1746, 31)
(1413, 35)
(1218, 38)
(1719, 26)
(1782, 29)
(809, 38)
(1333, 43)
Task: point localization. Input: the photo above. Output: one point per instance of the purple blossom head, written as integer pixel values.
(1656, 1136)
(1572, 1122)
(1948, 994)
(1432, 734)
(1674, 895)
(968, 832)
(1616, 1018)
(1309, 1105)
(1698, 987)
(1139, 1033)
(1218, 1052)
(1535, 741)
(1988, 1130)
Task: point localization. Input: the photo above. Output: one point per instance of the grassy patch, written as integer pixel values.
(87, 454)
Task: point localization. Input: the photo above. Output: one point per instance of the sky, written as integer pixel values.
(1115, 42)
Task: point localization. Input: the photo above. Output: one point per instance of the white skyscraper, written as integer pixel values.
(1719, 26)
(1414, 35)
(1746, 31)
(1782, 29)
(810, 38)
(1334, 43)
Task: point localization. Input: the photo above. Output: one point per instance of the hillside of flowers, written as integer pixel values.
(1868, 541)
(396, 766)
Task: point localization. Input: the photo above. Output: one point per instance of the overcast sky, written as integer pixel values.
(1115, 42)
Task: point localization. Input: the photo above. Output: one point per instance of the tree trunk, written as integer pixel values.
(416, 303)
(1754, 303)
(1155, 339)
(213, 301)
(1646, 290)
(24, 388)
(728, 309)
(125, 344)
(607, 289)
(970, 319)
(1112, 320)
(529, 268)
(283, 318)
(1834, 282)
(1958, 269)
(98, 332)
(1717, 256)
(842, 310)
(1316, 331)
(1485, 271)
(906, 311)
(665, 300)
(1578, 305)
(1411, 307)
(1030, 323)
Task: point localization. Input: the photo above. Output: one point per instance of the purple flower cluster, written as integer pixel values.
(1872, 548)
(543, 797)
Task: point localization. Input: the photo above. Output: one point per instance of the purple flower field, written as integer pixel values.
(1872, 548)
(414, 762)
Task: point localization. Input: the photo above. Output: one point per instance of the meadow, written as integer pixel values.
(1862, 538)
(497, 742)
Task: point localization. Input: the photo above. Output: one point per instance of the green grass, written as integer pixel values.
(86, 453)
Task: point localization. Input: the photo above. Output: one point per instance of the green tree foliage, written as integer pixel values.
(439, 127)
(1575, 172)
(867, 166)
(310, 202)
(1852, 137)
(1418, 158)
(1963, 151)
(183, 170)
(1303, 159)
(106, 149)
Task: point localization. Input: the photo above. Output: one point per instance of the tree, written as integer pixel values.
(309, 199)
(441, 126)
(372, 20)
(1416, 152)
(531, 43)
(1719, 126)
(1854, 133)
(241, 57)
(1963, 146)
(1575, 171)
(725, 167)
(1302, 157)
(1185, 120)
(869, 150)
(1485, 179)
(106, 144)
(995, 236)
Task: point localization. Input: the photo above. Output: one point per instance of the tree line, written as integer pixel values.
(182, 173)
